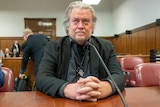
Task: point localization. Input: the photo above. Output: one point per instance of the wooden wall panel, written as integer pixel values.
(114, 42)
(123, 46)
(134, 44)
(118, 45)
(142, 42)
(7, 42)
(150, 39)
(158, 38)
(139, 42)
(128, 44)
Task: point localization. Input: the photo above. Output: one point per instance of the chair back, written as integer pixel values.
(8, 85)
(127, 65)
(147, 74)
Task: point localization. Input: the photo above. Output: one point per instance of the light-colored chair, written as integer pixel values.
(8, 85)
(147, 74)
(127, 65)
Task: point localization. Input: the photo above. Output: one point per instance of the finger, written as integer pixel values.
(84, 90)
(88, 79)
(92, 99)
(86, 97)
(89, 91)
(93, 85)
(83, 97)
(94, 94)
(90, 86)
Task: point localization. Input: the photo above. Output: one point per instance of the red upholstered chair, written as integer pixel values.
(147, 74)
(8, 85)
(127, 65)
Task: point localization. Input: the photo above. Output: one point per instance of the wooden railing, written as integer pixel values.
(14, 63)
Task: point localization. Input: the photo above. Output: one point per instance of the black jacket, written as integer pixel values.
(33, 48)
(55, 62)
(14, 47)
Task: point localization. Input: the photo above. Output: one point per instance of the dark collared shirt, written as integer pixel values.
(79, 66)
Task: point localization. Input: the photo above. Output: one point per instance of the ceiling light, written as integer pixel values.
(91, 2)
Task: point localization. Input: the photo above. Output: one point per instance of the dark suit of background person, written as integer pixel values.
(71, 68)
(33, 48)
(16, 46)
(1, 77)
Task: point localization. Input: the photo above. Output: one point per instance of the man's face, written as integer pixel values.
(80, 25)
(16, 42)
(24, 36)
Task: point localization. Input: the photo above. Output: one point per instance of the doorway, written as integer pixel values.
(46, 26)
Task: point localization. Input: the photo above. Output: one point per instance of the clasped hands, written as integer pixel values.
(89, 89)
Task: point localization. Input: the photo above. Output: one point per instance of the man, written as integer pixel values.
(16, 47)
(7, 52)
(33, 48)
(71, 68)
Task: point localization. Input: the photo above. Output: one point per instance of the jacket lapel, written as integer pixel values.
(64, 56)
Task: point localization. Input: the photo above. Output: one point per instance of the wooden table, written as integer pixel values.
(135, 97)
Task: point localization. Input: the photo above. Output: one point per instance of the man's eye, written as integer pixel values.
(75, 21)
(86, 22)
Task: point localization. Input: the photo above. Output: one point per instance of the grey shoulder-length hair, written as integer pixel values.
(78, 4)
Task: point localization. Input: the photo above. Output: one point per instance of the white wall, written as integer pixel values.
(131, 14)
(13, 12)
(114, 16)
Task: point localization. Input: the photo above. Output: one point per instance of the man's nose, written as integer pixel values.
(80, 24)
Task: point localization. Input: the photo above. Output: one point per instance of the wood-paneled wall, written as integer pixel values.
(7, 42)
(140, 41)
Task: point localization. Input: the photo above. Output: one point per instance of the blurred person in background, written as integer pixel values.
(7, 52)
(16, 46)
(33, 48)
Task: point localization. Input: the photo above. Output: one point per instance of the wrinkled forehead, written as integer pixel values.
(79, 12)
